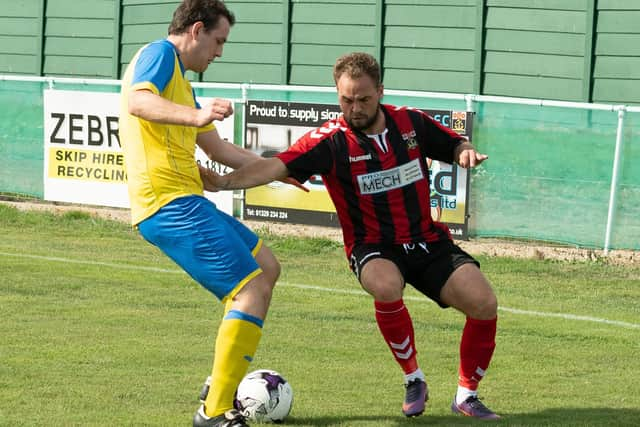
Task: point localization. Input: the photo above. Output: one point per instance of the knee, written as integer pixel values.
(384, 291)
(269, 265)
(484, 309)
(271, 271)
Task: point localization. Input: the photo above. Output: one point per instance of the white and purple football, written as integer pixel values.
(264, 396)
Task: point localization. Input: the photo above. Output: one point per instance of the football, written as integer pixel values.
(264, 396)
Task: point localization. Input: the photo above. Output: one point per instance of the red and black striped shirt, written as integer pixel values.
(380, 190)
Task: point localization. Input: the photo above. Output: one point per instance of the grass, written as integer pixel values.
(100, 329)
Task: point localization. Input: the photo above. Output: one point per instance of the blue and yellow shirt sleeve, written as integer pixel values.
(154, 69)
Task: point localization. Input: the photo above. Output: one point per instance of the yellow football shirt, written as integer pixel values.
(159, 158)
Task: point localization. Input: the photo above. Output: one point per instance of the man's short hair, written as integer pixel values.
(208, 12)
(357, 64)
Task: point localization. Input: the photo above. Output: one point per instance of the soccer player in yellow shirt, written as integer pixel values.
(160, 125)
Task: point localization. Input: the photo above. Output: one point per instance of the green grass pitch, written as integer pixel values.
(100, 329)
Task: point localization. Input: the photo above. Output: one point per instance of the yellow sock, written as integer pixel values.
(236, 343)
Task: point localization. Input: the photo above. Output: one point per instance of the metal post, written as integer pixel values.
(469, 101)
(614, 180)
(241, 194)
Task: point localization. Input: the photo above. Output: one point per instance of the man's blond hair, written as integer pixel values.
(357, 64)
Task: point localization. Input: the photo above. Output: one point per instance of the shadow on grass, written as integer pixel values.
(561, 417)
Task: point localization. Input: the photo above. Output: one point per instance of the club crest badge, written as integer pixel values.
(410, 139)
(459, 121)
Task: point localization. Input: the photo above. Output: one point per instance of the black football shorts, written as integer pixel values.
(425, 266)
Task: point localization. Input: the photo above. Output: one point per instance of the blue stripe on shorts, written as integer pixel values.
(211, 246)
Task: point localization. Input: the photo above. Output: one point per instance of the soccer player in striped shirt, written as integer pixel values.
(373, 161)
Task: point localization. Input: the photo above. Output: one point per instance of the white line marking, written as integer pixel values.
(322, 289)
(507, 309)
(100, 263)
(570, 317)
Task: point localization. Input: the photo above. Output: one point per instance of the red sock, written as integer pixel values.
(476, 348)
(396, 327)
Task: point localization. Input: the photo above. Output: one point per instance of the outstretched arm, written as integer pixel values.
(466, 155)
(221, 151)
(229, 154)
(258, 172)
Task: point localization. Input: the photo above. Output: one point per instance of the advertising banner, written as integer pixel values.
(83, 160)
(272, 127)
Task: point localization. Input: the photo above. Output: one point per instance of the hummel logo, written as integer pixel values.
(353, 159)
(405, 345)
